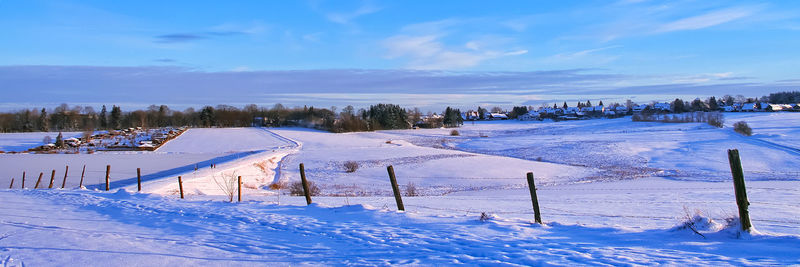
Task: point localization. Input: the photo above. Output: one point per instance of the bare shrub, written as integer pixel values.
(716, 119)
(228, 183)
(485, 217)
(296, 189)
(350, 166)
(454, 133)
(742, 128)
(411, 190)
(47, 139)
(280, 185)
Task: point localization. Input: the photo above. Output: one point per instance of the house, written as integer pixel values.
(748, 107)
(621, 109)
(471, 116)
(553, 111)
(72, 142)
(640, 108)
(496, 116)
(587, 109)
(730, 109)
(599, 109)
(662, 106)
(772, 107)
(529, 116)
(571, 110)
(610, 113)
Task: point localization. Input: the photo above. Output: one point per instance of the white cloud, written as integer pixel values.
(429, 53)
(709, 19)
(347, 17)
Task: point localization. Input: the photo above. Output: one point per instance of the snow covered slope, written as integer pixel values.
(58, 228)
(17, 142)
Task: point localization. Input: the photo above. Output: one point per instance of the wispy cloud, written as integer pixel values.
(428, 52)
(709, 19)
(582, 53)
(347, 17)
(179, 38)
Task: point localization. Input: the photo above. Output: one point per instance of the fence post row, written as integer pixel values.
(64, 183)
(395, 189)
(180, 186)
(38, 181)
(739, 188)
(305, 184)
(80, 185)
(239, 190)
(108, 172)
(534, 199)
(52, 178)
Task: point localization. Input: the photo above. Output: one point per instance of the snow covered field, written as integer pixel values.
(611, 192)
(16, 142)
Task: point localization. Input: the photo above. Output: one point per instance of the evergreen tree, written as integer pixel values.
(59, 140)
(452, 117)
(580, 105)
(103, 118)
(678, 106)
(481, 113)
(116, 117)
(588, 103)
(565, 105)
(601, 103)
(712, 103)
(44, 123)
(207, 117)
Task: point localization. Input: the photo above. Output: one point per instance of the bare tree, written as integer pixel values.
(227, 182)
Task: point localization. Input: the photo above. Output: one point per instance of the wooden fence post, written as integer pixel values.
(12, 184)
(82, 173)
(239, 183)
(305, 184)
(64, 183)
(534, 199)
(139, 179)
(108, 173)
(23, 180)
(38, 181)
(395, 189)
(739, 188)
(52, 178)
(180, 186)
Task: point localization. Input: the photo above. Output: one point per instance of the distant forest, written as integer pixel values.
(78, 118)
(376, 117)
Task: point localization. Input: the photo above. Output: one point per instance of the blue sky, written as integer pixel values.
(415, 53)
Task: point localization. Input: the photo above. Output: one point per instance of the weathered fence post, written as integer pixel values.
(239, 190)
(739, 188)
(139, 179)
(64, 183)
(12, 184)
(38, 181)
(534, 199)
(108, 173)
(305, 184)
(52, 179)
(395, 189)
(82, 173)
(23, 180)
(180, 186)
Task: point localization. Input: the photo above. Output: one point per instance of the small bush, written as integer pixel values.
(411, 190)
(296, 189)
(716, 119)
(350, 166)
(47, 139)
(454, 133)
(278, 186)
(742, 128)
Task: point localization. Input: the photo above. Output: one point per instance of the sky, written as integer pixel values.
(426, 54)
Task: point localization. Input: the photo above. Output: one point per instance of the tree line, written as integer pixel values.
(87, 118)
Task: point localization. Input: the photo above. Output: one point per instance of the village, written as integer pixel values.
(586, 111)
(129, 139)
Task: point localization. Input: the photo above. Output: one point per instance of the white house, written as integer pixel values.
(749, 107)
(571, 110)
(730, 109)
(662, 106)
(639, 108)
(529, 116)
(496, 116)
(621, 109)
(587, 109)
(599, 109)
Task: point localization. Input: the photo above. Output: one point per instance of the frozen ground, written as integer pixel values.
(612, 192)
(16, 142)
